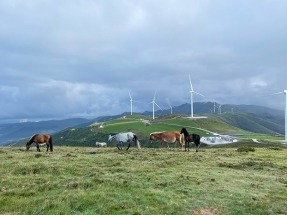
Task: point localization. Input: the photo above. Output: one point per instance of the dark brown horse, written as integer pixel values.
(40, 139)
(190, 138)
(168, 137)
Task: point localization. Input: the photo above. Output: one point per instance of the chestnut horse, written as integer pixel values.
(40, 139)
(168, 137)
(190, 138)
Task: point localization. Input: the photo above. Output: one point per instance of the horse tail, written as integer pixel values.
(51, 143)
(135, 139)
(196, 139)
(183, 138)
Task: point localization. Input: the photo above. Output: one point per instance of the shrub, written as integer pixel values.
(246, 149)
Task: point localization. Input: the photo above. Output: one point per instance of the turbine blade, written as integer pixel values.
(198, 94)
(276, 93)
(130, 95)
(191, 88)
(157, 105)
(154, 95)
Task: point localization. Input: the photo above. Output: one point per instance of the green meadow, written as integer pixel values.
(88, 180)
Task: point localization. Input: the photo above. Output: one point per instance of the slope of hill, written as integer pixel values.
(247, 117)
(253, 122)
(142, 126)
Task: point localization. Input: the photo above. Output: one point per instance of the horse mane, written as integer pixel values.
(185, 132)
(32, 138)
(157, 132)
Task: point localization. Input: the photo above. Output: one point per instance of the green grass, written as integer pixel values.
(87, 180)
(87, 136)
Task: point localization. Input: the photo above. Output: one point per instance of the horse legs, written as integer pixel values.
(187, 145)
(119, 145)
(48, 147)
(160, 144)
(197, 146)
(38, 147)
(181, 145)
(128, 146)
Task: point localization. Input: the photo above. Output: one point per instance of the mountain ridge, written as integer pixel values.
(251, 118)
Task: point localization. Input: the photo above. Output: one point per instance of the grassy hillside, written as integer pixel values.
(143, 126)
(253, 123)
(85, 180)
(246, 117)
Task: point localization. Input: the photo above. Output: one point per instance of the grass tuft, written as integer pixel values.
(246, 149)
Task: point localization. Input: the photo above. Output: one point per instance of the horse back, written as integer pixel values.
(171, 136)
(43, 138)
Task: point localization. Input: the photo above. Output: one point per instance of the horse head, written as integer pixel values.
(28, 145)
(184, 131)
(152, 137)
(110, 137)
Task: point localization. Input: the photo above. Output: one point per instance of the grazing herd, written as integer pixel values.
(183, 138)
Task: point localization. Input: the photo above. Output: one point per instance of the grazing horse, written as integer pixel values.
(168, 137)
(40, 139)
(190, 138)
(101, 144)
(126, 137)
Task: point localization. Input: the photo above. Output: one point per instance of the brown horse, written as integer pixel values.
(168, 137)
(40, 139)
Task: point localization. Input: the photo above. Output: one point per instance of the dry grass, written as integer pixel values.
(83, 180)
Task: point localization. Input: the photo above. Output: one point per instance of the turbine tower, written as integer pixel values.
(154, 103)
(169, 106)
(219, 109)
(131, 100)
(191, 97)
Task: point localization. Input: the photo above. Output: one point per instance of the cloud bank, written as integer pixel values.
(82, 58)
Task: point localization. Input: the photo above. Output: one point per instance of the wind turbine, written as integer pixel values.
(219, 109)
(131, 100)
(191, 97)
(169, 106)
(285, 92)
(154, 103)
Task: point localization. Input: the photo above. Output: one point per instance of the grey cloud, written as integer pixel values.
(84, 56)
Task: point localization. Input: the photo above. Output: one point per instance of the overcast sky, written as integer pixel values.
(69, 58)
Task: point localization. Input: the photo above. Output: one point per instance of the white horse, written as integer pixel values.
(101, 144)
(126, 137)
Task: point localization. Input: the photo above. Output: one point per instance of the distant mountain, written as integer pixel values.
(251, 118)
(208, 107)
(257, 123)
(14, 131)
